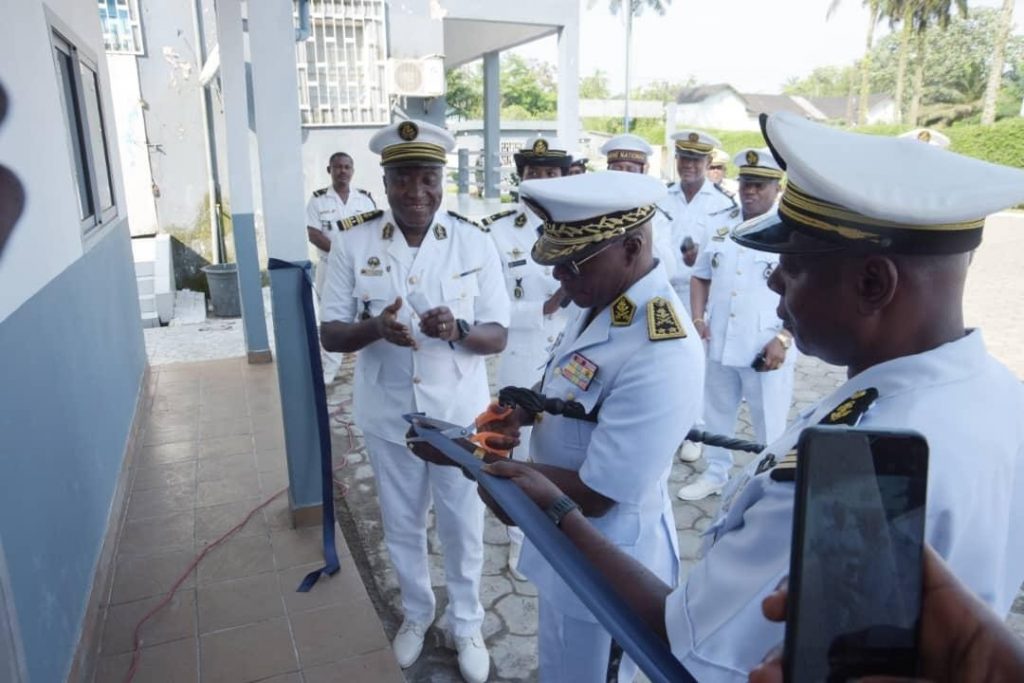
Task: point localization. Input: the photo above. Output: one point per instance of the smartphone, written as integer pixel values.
(856, 561)
(759, 361)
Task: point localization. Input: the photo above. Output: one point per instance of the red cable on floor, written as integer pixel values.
(136, 642)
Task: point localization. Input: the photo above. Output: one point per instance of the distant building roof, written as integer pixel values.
(754, 102)
(702, 92)
(835, 108)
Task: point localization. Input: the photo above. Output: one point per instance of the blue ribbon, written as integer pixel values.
(650, 652)
(332, 564)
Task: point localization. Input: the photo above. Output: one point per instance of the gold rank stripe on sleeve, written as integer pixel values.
(848, 413)
(496, 217)
(360, 218)
(662, 321)
(623, 310)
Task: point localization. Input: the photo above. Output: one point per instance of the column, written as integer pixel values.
(569, 84)
(492, 125)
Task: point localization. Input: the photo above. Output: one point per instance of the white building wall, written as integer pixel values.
(132, 141)
(723, 111)
(48, 238)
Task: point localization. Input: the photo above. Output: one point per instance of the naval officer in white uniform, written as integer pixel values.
(325, 210)
(419, 293)
(873, 259)
(748, 351)
(698, 208)
(538, 315)
(633, 365)
(630, 153)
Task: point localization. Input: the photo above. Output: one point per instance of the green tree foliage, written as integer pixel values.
(529, 89)
(955, 70)
(595, 86)
(662, 91)
(465, 92)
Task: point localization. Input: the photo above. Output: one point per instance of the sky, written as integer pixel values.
(754, 45)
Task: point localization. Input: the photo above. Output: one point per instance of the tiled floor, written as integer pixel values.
(213, 450)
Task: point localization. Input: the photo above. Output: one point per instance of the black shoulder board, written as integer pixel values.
(670, 183)
(728, 195)
(321, 192)
(850, 411)
(462, 218)
(369, 196)
(496, 217)
(665, 213)
(359, 218)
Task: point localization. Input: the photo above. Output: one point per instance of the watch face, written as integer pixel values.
(463, 328)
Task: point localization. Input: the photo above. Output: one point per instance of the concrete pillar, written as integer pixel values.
(279, 138)
(492, 125)
(569, 83)
(236, 115)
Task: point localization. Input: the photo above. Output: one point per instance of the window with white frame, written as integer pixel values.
(122, 32)
(78, 83)
(342, 64)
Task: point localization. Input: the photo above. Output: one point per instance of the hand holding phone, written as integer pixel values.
(856, 561)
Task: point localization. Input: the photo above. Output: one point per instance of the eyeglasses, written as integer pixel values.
(574, 266)
(716, 168)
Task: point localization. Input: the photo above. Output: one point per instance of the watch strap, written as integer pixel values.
(562, 506)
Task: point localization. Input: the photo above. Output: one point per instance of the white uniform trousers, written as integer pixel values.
(405, 487)
(330, 360)
(575, 651)
(768, 397)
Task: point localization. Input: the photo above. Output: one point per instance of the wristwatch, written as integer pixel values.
(562, 506)
(785, 340)
(463, 328)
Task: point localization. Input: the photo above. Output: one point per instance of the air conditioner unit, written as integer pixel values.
(416, 77)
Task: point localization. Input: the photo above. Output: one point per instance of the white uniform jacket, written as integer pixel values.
(709, 210)
(741, 310)
(456, 266)
(664, 250)
(531, 334)
(971, 410)
(648, 394)
(325, 210)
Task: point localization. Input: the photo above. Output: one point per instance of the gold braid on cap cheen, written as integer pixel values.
(559, 240)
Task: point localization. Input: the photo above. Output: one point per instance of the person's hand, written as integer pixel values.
(702, 328)
(390, 329)
(961, 638)
(690, 256)
(439, 323)
(508, 425)
(535, 485)
(552, 305)
(774, 355)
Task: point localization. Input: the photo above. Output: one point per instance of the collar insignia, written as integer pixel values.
(439, 232)
(623, 311)
(520, 220)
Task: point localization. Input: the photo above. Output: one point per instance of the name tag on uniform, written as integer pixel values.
(516, 264)
(580, 370)
(720, 234)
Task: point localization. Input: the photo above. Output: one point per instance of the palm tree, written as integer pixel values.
(926, 14)
(995, 74)
(635, 8)
(875, 9)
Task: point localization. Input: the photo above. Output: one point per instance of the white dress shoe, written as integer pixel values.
(700, 489)
(408, 643)
(474, 661)
(689, 452)
(514, 550)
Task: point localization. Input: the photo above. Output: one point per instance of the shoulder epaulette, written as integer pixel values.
(321, 192)
(484, 222)
(662, 320)
(664, 213)
(728, 195)
(353, 221)
(368, 196)
(670, 183)
(848, 413)
(462, 218)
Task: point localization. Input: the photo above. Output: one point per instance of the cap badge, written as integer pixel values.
(373, 262)
(540, 147)
(623, 310)
(693, 137)
(752, 158)
(925, 136)
(408, 131)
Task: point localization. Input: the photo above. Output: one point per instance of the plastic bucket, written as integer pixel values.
(223, 281)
